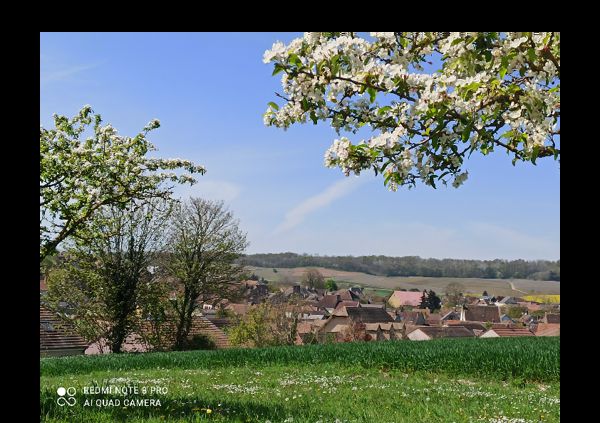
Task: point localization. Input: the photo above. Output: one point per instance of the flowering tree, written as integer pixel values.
(481, 91)
(79, 176)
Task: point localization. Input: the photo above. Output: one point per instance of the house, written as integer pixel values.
(434, 319)
(136, 342)
(426, 333)
(530, 305)
(342, 320)
(506, 301)
(405, 298)
(481, 313)
(547, 329)
(412, 317)
(551, 318)
(476, 327)
(329, 302)
(347, 304)
(506, 332)
(58, 337)
(347, 295)
(506, 319)
(357, 290)
(451, 315)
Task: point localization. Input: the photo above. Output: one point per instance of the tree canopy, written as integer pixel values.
(80, 175)
(431, 99)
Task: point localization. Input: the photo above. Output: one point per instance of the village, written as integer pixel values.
(343, 315)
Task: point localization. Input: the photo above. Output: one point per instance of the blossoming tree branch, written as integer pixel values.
(482, 91)
(79, 176)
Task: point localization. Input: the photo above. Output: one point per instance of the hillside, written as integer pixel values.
(472, 285)
(414, 266)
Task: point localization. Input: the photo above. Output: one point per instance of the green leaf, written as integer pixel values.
(273, 105)
(313, 117)
(278, 68)
(503, 66)
(372, 94)
(465, 135)
(305, 104)
(293, 58)
(383, 110)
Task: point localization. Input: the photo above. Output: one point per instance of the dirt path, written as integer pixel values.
(512, 286)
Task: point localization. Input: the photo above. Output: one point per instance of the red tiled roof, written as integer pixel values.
(329, 301)
(502, 332)
(200, 326)
(399, 298)
(482, 314)
(57, 334)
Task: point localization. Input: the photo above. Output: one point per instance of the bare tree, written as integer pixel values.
(204, 242)
(313, 279)
(104, 276)
(455, 294)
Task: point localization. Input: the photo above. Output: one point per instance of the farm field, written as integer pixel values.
(474, 380)
(472, 285)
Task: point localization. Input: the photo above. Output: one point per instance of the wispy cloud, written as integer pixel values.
(297, 215)
(212, 190)
(64, 73)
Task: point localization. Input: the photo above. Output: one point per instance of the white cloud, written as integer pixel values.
(297, 215)
(211, 190)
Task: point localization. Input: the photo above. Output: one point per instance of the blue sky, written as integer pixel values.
(209, 91)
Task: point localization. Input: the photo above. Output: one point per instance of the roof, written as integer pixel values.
(547, 329)
(200, 326)
(468, 325)
(240, 309)
(482, 314)
(417, 317)
(446, 331)
(451, 315)
(434, 319)
(505, 332)
(368, 315)
(220, 322)
(347, 304)
(400, 298)
(329, 301)
(346, 295)
(57, 334)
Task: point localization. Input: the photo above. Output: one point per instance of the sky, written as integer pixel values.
(209, 91)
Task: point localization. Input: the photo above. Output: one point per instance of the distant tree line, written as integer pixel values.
(415, 266)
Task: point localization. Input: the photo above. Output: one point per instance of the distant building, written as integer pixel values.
(426, 333)
(405, 298)
(58, 337)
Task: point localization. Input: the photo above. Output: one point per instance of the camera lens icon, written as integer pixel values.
(69, 399)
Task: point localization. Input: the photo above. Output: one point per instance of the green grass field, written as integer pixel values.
(473, 380)
(472, 285)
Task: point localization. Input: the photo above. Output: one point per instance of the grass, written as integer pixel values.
(547, 299)
(476, 380)
(472, 285)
